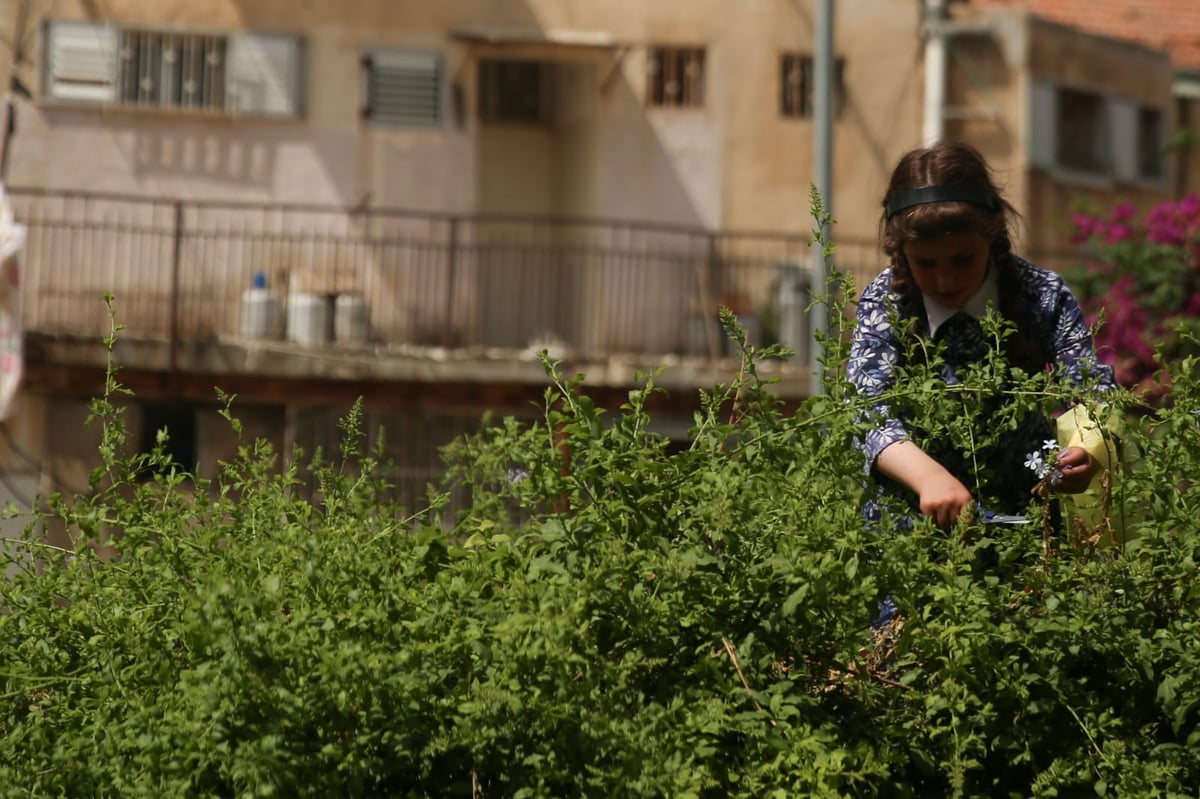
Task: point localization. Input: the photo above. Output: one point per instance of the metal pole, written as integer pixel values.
(823, 66)
(448, 329)
(176, 267)
(935, 72)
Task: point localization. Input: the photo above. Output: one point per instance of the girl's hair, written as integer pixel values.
(962, 172)
(945, 163)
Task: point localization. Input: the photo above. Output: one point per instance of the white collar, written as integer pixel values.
(987, 293)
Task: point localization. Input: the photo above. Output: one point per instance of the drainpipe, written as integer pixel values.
(933, 128)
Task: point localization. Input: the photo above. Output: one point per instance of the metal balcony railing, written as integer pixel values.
(392, 279)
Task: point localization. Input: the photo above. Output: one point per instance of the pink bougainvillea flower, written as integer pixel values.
(1084, 227)
(1117, 233)
(1135, 256)
(1121, 212)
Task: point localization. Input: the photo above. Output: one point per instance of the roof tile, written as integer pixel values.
(1171, 25)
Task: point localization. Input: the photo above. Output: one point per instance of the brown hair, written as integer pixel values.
(963, 171)
(946, 163)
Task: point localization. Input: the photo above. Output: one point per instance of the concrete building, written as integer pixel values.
(302, 201)
(1172, 26)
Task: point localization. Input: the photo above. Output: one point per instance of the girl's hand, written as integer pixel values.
(1078, 468)
(944, 499)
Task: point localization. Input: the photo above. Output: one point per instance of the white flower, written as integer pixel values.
(1050, 444)
(1036, 463)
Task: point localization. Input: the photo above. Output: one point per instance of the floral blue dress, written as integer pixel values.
(1051, 331)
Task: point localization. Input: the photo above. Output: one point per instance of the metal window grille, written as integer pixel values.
(514, 91)
(172, 70)
(1083, 136)
(1150, 143)
(796, 79)
(676, 77)
(795, 85)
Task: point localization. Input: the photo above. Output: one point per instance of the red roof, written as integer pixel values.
(1171, 25)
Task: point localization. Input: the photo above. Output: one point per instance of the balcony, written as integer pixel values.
(397, 295)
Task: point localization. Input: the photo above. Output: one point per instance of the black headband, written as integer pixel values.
(946, 192)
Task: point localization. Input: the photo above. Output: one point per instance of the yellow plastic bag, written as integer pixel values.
(1076, 428)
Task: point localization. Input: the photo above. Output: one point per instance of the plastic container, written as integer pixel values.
(350, 319)
(308, 319)
(261, 316)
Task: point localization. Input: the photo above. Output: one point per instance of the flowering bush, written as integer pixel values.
(1143, 280)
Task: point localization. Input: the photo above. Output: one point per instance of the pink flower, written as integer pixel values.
(1135, 257)
(1085, 227)
(1117, 234)
(1121, 212)
(1189, 204)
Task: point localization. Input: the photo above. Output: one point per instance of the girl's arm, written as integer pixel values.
(942, 497)
(874, 353)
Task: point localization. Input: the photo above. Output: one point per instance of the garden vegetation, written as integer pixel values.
(611, 615)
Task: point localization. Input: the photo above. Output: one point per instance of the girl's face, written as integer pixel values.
(950, 268)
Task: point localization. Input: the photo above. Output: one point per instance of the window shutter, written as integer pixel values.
(404, 88)
(264, 74)
(1043, 132)
(1123, 121)
(81, 61)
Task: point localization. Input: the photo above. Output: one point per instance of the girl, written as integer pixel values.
(946, 229)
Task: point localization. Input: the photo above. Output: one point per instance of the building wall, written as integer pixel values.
(1187, 164)
(1119, 71)
(999, 61)
(733, 163)
(986, 95)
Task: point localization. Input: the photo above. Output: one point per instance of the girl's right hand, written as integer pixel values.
(944, 499)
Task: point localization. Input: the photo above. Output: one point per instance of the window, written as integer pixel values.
(1096, 135)
(796, 79)
(514, 91)
(1150, 143)
(243, 72)
(80, 62)
(171, 70)
(404, 88)
(1082, 140)
(675, 77)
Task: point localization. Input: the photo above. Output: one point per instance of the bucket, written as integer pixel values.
(308, 319)
(350, 319)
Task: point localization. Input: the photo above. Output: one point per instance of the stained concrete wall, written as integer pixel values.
(1118, 70)
(733, 163)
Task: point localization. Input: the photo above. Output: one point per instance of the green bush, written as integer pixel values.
(612, 616)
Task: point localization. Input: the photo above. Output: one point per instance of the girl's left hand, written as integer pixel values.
(1077, 468)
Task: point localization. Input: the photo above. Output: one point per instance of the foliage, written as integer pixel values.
(612, 616)
(1144, 281)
